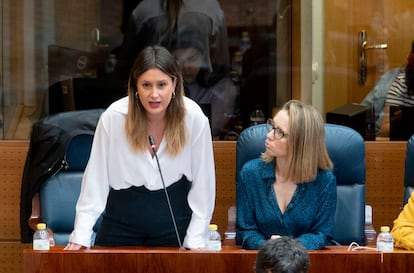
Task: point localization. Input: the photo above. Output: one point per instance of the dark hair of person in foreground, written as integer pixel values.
(282, 255)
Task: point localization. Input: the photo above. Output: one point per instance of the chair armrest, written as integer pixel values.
(35, 215)
(35, 218)
(230, 232)
(33, 221)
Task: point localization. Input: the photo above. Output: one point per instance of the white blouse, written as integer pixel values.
(113, 164)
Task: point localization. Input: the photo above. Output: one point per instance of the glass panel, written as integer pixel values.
(387, 31)
(55, 52)
(388, 22)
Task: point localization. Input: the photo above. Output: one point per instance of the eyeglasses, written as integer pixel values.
(277, 132)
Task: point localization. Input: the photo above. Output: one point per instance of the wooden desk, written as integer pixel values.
(230, 259)
(398, 261)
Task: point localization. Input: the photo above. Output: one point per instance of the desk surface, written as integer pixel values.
(230, 259)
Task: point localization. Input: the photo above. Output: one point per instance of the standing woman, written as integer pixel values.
(122, 179)
(159, 22)
(291, 189)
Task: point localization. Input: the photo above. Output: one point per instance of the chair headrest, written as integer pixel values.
(346, 148)
(78, 151)
(250, 144)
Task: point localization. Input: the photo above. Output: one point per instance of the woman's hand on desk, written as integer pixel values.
(73, 246)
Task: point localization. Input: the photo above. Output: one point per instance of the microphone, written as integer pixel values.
(154, 149)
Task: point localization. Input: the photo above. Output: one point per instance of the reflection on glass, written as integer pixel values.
(65, 41)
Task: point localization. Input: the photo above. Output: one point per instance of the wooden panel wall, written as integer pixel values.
(12, 158)
(225, 160)
(385, 180)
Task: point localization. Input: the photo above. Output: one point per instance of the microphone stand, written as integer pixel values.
(152, 142)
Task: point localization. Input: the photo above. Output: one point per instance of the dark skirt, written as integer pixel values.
(139, 217)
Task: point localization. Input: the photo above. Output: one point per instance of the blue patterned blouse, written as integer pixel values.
(309, 217)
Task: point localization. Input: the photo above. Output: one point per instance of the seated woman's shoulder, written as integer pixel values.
(326, 176)
(253, 163)
(256, 167)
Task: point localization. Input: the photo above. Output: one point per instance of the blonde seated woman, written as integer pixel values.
(291, 189)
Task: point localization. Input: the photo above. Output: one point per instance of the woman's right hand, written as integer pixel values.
(72, 246)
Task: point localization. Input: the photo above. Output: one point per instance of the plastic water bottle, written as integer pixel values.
(41, 238)
(237, 63)
(213, 241)
(257, 116)
(385, 242)
(110, 64)
(245, 42)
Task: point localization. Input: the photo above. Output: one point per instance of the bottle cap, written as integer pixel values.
(385, 228)
(41, 226)
(238, 53)
(212, 227)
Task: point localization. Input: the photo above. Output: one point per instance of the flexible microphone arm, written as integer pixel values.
(154, 149)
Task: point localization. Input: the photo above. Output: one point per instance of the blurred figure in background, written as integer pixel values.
(394, 88)
(158, 22)
(215, 91)
(161, 22)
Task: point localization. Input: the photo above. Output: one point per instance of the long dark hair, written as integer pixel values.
(409, 72)
(173, 10)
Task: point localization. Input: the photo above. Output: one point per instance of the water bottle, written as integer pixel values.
(257, 116)
(245, 42)
(110, 64)
(41, 238)
(237, 63)
(213, 241)
(385, 242)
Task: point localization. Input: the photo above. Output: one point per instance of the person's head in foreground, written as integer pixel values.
(282, 255)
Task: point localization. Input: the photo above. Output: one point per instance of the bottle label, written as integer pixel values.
(385, 246)
(41, 244)
(213, 245)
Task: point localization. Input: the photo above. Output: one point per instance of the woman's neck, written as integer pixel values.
(156, 128)
(282, 170)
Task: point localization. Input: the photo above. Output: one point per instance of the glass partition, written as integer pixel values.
(56, 53)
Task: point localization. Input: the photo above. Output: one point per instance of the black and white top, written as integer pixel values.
(397, 94)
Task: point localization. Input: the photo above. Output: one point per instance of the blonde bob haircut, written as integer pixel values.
(306, 140)
(136, 122)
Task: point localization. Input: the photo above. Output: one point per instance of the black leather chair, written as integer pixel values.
(346, 148)
(409, 169)
(59, 193)
(59, 149)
